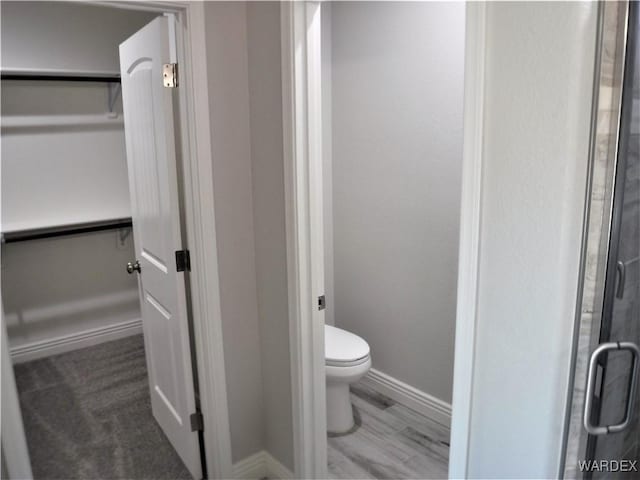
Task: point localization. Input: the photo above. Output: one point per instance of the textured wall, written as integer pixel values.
(397, 88)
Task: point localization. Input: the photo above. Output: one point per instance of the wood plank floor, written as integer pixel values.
(392, 442)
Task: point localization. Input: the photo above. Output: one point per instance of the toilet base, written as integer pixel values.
(339, 409)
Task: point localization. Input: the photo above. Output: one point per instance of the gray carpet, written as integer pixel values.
(87, 415)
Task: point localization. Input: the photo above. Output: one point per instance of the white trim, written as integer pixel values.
(197, 177)
(15, 453)
(431, 407)
(468, 260)
(260, 465)
(302, 126)
(15, 122)
(253, 467)
(140, 5)
(75, 341)
(62, 72)
(275, 469)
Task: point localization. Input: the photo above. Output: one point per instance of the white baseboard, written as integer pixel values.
(253, 467)
(277, 470)
(260, 465)
(428, 405)
(75, 341)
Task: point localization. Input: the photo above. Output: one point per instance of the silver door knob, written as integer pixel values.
(133, 267)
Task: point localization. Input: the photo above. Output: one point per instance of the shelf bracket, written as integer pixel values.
(123, 234)
(113, 90)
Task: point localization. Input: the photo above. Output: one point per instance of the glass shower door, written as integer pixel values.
(613, 418)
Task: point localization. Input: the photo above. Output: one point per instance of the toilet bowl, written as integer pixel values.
(347, 360)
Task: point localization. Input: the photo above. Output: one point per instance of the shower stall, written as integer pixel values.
(603, 421)
(612, 403)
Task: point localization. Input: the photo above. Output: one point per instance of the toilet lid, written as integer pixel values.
(343, 346)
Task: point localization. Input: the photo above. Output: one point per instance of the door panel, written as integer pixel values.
(151, 158)
(621, 315)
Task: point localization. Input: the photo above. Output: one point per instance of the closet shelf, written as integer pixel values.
(61, 76)
(42, 121)
(63, 230)
(111, 79)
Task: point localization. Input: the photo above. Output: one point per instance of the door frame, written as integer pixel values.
(606, 104)
(302, 126)
(302, 135)
(624, 121)
(14, 453)
(193, 121)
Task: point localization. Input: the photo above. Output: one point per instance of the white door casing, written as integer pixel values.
(301, 69)
(15, 453)
(151, 158)
(302, 131)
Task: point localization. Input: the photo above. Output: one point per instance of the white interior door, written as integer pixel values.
(151, 158)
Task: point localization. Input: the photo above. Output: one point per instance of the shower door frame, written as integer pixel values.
(302, 132)
(624, 131)
(607, 98)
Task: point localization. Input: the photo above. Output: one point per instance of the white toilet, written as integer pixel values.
(347, 360)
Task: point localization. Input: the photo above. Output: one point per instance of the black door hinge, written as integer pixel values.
(183, 261)
(322, 303)
(197, 422)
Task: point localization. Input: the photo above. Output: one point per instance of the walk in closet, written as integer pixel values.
(66, 222)
(70, 307)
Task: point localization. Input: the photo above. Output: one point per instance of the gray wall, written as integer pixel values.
(536, 139)
(227, 69)
(327, 164)
(265, 89)
(65, 121)
(60, 287)
(243, 48)
(397, 87)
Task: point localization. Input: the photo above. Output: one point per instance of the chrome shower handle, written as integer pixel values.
(591, 381)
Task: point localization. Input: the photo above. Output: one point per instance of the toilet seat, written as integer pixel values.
(354, 363)
(344, 349)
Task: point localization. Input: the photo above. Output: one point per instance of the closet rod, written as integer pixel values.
(58, 231)
(61, 78)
